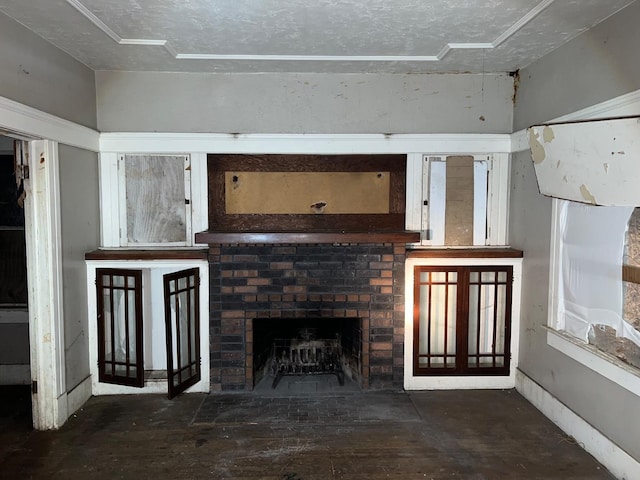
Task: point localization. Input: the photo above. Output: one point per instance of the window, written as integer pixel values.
(155, 200)
(462, 320)
(594, 298)
(458, 200)
(120, 356)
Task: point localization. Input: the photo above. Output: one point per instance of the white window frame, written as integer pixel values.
(113, 206)
(494, 211)
(606, 365)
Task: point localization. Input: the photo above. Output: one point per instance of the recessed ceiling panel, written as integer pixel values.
(375, 36)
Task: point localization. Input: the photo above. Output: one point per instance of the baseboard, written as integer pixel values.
(79, 395)
(616, 460)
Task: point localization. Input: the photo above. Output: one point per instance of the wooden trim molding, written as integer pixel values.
(134, 254)
(306, 237)
(630, 273)
(465, 253)
(221, 220)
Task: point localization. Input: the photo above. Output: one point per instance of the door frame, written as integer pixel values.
(43, 132)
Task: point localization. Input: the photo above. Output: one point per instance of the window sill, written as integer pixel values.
(615, 370)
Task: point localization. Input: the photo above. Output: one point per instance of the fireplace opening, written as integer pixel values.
(309, 346)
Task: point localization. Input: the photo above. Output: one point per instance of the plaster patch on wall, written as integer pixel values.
(537, 150)
(586, 194)
(547, 134)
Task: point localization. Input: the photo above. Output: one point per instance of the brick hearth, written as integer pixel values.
(363, 281)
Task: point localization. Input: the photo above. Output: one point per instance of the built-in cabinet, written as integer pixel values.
(461, 318)
(148, 323)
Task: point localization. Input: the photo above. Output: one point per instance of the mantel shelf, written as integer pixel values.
(306, 237)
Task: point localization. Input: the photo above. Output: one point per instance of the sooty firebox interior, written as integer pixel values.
(307, 347)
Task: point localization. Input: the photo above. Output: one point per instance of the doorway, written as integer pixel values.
(15, 376)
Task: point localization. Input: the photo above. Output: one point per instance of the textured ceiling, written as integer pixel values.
(360, 36)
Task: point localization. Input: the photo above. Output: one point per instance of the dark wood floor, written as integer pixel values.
(350, 435)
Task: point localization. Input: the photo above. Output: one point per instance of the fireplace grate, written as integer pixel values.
(306, 356)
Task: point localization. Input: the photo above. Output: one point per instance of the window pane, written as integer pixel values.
(488, 277)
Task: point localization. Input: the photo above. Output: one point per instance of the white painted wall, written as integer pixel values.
(605, 405)
(594, 67)
(303, 103)
(37, 74)
(80, 222)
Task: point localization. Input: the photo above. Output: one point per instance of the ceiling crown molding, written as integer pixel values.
(448, 48)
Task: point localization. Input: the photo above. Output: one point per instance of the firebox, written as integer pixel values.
(318, 346)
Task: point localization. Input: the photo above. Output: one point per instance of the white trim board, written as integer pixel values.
(22, 120)
(168, 143)
(622, 106)
(619, 462)
(77, 397)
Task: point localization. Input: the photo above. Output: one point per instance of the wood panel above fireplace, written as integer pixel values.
(306, 193)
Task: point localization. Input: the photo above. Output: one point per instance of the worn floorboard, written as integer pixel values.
(375, 435)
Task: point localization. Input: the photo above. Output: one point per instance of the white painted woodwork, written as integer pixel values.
(44, 277)
(199, 194)
(109, 200)
(438, 382)
(153, 322)
(26, 122)
(498, 199)
(413, 209)
(327, 144)
(591, 162)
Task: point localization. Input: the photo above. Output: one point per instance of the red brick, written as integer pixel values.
(281, 265)
(232, 314)
(381, 346)
(258, 281)
(386, 290)
(245, 273)
(381, 281)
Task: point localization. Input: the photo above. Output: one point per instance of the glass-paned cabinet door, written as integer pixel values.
(462, 320)
(182, 321)
(120, 342)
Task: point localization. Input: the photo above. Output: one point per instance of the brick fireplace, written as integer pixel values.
(289, 282)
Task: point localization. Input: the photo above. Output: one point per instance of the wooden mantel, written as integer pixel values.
(307, 237)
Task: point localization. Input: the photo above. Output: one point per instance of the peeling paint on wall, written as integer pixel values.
(591, 162)
(586, 194)
(547, 134)
(537, 150)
